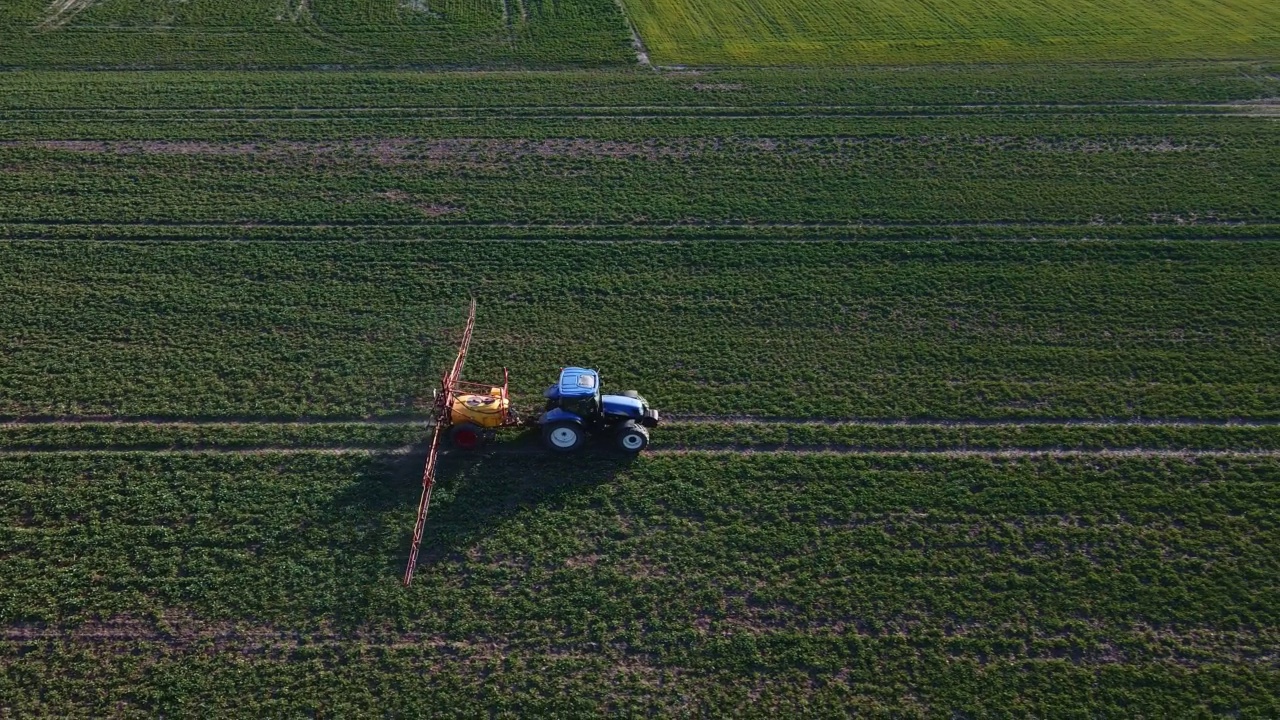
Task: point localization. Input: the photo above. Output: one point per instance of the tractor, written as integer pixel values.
(466, 415)
(575, 408)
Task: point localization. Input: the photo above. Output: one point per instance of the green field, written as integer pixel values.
(976, 437)
(1183, 152)
(873, 329)
(689, 583)
(875, 32)
(311, 33)
(962, 325)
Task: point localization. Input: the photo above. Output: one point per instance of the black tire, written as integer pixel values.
(466, 436)
(631, 438)
(633, 394)
(557, 439)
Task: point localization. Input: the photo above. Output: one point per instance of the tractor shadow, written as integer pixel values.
(476, 492)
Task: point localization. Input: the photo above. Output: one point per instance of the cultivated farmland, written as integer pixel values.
(968, 372)
(300, 33)
(883, 330)
(875, 32)
(682, 583)
(1184, 152)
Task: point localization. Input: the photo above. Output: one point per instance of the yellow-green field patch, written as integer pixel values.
(850, 32)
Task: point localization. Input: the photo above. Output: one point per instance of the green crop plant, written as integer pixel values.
(311, 33)
(677, 435)
(1151, 175)
(153, 583)
(968, 372)
(63, 437)
(866, 32)
(780, 155)
(277, 331)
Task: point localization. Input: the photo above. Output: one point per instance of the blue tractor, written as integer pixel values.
(575, 408)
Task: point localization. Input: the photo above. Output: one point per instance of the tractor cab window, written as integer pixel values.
(584, 406)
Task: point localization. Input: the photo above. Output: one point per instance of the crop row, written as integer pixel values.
(940, 87)
(153, 436)
(1171, 229)
(36, 437)
(311, 538)
(1156, 580)
(942, 437)
(943, 330)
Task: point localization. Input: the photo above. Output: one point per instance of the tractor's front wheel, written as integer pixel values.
(563, 436)
(632, 438)
(466, 436)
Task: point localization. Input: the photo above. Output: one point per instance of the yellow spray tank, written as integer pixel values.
(487, 411)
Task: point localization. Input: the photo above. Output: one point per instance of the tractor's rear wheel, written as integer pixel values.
(631, 438)
(563, 437)
(466, 436)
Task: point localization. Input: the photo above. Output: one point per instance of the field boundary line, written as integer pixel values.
(637, 43)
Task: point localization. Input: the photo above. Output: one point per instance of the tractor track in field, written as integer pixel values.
(644, 110)
(836, 450)
(965, 422)
(1259, 112)
(727, 224)
(178, 632)
(212, 450)
(721, 449)
(526, 444)
(671, 419)
(198, 116)
(189, 422)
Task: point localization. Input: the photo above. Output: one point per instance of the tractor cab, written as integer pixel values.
(577, 392)
(575, 406)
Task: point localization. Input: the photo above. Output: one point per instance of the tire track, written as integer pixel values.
(61, 12)
(683, 110)
(836, 450)
(213, 450)
(186, 632)
(673, 419)
(727, 224)
(522, 450)
(967, 422)
(522, 443)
